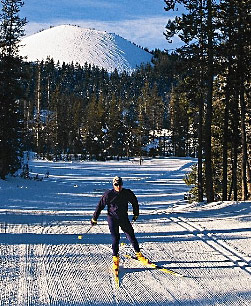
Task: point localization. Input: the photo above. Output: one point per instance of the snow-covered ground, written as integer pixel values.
(42, 261)
(67, 43)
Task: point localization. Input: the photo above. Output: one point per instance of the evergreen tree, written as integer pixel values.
(243, 73)
(227, 51)
(179, 122)
(11, 29)
(143, 123)
(94, 128)
(115, 130)
(63, 102)
(218, 32)
(77, 121)
(197, 29)
(234, 55)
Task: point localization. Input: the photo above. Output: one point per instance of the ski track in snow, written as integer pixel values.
(42, 261)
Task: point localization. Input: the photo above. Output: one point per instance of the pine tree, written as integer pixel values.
(143, 122)
(93, 128)
(243, 51)
(218, 32)
(11, 29)
(115, 130)
(227, 50)
(235, 57)
(77, 120)
(196, 28)
(179, 120)
(209, 106)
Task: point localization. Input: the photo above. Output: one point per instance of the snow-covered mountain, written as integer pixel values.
(66, 43)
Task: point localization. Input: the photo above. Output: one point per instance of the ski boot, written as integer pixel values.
(115, 268)
(115, 265)
(142, 258)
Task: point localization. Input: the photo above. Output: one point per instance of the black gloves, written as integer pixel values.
(134, 218)
(93, 222)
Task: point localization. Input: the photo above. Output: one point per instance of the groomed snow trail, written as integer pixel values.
(42, 261)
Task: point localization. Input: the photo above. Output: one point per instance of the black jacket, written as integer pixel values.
(117, 204)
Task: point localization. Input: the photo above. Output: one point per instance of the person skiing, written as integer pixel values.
(117, 200)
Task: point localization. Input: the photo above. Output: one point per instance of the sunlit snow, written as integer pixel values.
(44, 262)
(69, 44)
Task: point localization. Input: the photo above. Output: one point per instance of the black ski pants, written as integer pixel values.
(125, 225)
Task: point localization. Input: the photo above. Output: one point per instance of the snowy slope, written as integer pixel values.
(66, 43)
(43, 263)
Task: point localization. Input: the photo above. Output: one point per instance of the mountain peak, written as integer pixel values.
(68, 43)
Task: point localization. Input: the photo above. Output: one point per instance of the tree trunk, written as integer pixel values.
(234, 170)
(235, 144)
(244, 146)
(229, 85)
(200, 119)
(208, 120)
(225, 142)
(200, 162)
(249, 179)
(241, 73)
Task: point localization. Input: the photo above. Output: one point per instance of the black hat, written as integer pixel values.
(118, 180)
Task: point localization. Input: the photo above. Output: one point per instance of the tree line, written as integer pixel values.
(216, 82)
(193, 102)
(71, 109)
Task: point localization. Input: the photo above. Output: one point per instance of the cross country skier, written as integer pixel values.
(117, 200)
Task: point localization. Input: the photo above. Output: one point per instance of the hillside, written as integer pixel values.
(66, 43)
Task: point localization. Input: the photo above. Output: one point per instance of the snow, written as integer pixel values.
(42, 261)
(66, 43)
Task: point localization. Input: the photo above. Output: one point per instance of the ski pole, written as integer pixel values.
(81, 236)
(89, 229)
(101, 228)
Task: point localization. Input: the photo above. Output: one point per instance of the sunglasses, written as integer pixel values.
(117, 184)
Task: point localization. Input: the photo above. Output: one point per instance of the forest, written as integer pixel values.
(194, 101)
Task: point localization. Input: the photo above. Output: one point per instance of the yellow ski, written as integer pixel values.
(115, 268)
(154, 266)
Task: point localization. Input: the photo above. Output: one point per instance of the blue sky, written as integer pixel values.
(140, 21)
